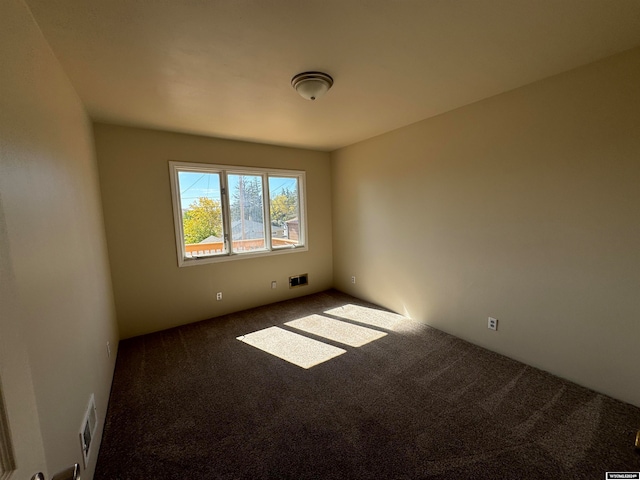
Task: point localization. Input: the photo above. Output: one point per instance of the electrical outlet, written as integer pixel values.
(274, 284)
(219, 296)
(353, 279)
(108, 350)
(492, 324)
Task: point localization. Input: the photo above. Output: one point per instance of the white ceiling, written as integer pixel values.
(223, 67)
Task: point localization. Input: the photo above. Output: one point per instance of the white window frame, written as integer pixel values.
(224, 171)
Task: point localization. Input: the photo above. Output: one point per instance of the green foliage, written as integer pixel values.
(203, 219)
(284, 206)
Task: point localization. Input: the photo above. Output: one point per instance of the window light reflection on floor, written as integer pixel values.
(297, 349)
(376, 318)
(332, 329)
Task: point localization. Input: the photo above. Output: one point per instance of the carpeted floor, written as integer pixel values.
(412, 403)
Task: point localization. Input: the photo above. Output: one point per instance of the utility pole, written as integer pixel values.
(241, 188)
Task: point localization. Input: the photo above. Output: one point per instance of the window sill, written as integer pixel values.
(193, 261)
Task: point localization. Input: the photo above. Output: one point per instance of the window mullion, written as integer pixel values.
(266, 204)
(226, 222)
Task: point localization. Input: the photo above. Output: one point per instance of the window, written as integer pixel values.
(223, 212)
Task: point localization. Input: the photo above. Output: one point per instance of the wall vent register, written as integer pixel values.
(88, 430)
(299, 280)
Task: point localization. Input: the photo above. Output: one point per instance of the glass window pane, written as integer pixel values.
(285, 212)
(247, 213)
(220, 210)
(201, 204)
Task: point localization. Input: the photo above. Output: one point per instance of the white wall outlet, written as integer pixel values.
(108, 350)
(492, 324)
(353, 279)
(219, 296)
(274, 284)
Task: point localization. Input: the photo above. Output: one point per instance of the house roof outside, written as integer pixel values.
(252, 229)
(211, 239)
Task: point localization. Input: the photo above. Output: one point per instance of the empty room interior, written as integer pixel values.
(420, 256)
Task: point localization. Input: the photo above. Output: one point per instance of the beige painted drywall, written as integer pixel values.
(16, 384)
(152, 293)
(524, 207)
(59, 310)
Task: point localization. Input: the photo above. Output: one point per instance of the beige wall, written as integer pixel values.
(60, 310)
(151, 292)
(525, 207)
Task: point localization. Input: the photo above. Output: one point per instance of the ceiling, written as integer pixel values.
(223, 67)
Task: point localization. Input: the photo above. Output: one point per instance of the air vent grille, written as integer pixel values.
(88, 430)
(299, 280)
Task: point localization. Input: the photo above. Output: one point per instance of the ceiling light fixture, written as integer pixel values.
(312, 85)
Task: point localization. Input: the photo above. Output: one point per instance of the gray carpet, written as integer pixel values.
(195, 402)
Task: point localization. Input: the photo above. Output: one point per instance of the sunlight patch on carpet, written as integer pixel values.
(293, 348)
(376, 318)
(332, 329)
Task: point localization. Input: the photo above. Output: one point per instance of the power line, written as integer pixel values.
(199, 178)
